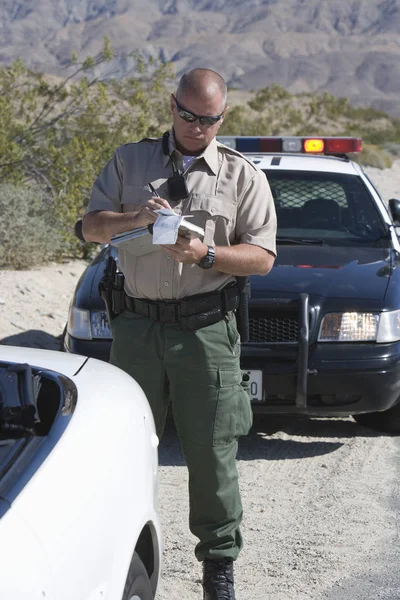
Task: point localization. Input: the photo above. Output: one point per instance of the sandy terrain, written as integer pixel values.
(320, 496)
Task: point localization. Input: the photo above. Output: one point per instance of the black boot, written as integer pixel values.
(218, 579)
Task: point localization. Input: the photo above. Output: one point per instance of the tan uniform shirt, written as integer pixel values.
(228, 196)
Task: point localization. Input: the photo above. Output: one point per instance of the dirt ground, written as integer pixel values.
(320, 496)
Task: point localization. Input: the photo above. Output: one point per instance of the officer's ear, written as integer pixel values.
(224, 113)
(223, 117)
(78, 231)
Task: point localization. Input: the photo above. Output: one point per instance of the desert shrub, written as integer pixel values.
(393, 148)
(372, 156)
(268, 95)
(60, 135)
(29, 230)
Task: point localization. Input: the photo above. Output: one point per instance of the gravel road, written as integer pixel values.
(321, 496)
(321, 512)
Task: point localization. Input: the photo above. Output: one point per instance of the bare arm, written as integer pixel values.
(241, 260)
(101, 225)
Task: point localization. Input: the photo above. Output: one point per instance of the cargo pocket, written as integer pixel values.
(233, 416)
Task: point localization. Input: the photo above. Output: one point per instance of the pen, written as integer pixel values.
(152, 189)
(157, 195)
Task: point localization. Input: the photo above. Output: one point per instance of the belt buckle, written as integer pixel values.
(167, 312)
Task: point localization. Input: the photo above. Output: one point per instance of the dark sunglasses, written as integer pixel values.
(190, 117)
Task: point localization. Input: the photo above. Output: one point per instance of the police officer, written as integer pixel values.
(177, 336)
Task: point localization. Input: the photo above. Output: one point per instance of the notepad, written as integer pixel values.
(169, 225)
(165, 230)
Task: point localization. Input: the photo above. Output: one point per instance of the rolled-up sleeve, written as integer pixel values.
(256, 220)
(107, 189)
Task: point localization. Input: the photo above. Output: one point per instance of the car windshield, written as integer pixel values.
(330, 207)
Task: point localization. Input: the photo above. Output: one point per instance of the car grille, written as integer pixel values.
(268, 329)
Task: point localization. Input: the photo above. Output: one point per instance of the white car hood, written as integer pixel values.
(66, 364)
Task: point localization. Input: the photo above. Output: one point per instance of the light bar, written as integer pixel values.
(308, 145)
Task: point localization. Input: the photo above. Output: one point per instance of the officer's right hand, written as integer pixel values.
(146, 214)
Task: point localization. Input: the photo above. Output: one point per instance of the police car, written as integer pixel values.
(78, 480)
(325, 323)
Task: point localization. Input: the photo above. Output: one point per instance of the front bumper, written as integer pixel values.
(338, 379)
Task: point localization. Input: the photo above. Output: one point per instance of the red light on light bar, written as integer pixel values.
(270, 144)
(342, 145)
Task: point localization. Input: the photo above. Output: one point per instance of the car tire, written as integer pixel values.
(137, 586)
(387, 421)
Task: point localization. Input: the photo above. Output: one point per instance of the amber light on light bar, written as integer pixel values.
(316, 145)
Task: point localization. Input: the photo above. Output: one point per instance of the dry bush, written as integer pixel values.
(29, 232)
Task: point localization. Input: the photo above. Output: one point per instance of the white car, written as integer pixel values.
(78, 480)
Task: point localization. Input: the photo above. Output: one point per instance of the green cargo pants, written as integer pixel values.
(199, 373)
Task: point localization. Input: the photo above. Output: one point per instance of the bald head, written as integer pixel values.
(203, 83)
(198, 110)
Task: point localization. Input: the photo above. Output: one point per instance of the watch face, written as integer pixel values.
(208, 260)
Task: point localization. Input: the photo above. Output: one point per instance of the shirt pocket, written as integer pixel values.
(134, 196)
(216, 215)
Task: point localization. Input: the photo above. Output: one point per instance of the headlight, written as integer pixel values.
(349, 327)
(389, 327)
(79, 323)
(87, 325)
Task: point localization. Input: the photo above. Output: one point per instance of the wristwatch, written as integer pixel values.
(208, 260)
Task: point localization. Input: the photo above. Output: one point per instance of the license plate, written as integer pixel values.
(256, 387)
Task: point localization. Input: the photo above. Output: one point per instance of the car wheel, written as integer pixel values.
(387, 421)
(137, 586)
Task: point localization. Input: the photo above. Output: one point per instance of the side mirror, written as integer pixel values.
(78, 230)
(394, 209)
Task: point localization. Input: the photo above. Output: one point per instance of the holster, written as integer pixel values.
(111, 289)
(242, 315)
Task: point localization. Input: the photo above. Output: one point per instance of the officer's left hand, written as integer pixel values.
(187, 251)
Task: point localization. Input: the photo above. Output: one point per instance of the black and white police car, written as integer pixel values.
(325, 323)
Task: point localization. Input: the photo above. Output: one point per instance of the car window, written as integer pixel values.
(336, 207)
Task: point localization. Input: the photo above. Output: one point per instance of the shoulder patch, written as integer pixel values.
(229, 150)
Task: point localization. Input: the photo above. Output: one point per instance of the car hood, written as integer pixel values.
(65, 364)
(337, 272)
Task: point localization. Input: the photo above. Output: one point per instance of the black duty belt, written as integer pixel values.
(192, 312)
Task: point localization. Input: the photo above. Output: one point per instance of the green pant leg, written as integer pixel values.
(137, 348)
(211, 410)
(215, 504)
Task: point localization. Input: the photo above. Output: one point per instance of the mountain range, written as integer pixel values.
(348, 48)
